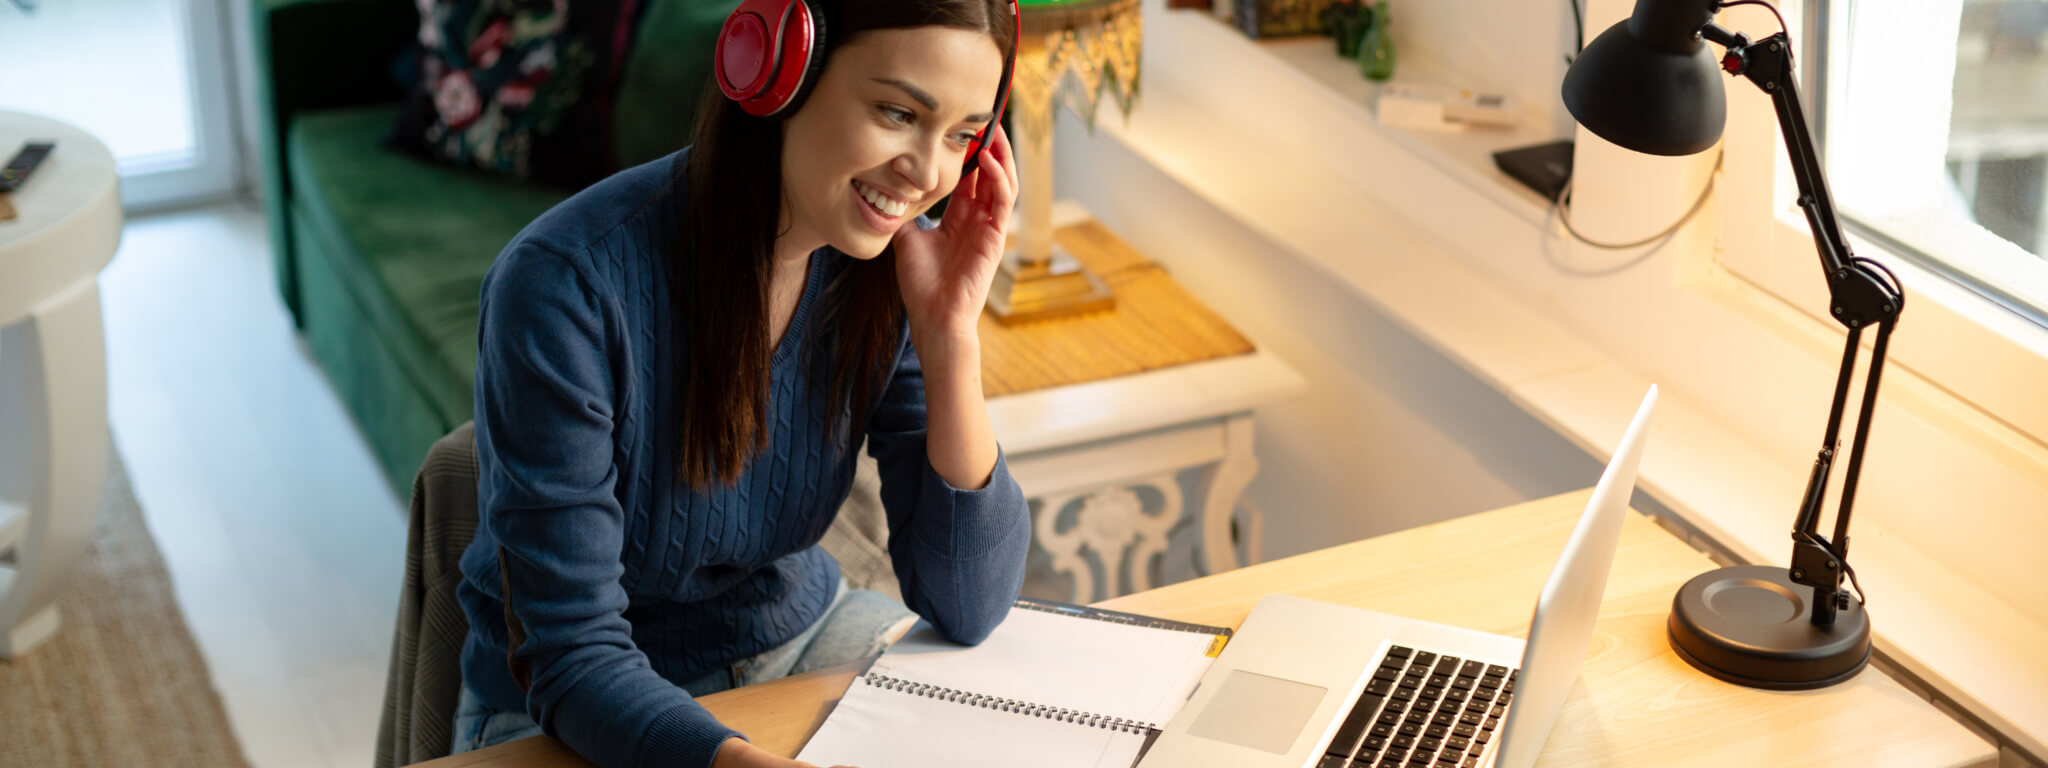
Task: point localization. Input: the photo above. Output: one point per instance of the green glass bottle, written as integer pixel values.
(1376, 48)
(1352, 18)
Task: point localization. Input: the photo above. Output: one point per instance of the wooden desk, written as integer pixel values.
(1635, 703)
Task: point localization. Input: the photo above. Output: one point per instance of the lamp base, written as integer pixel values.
(1023, 291)
(1750, 625)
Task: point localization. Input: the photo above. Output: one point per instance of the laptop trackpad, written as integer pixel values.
(1256, 711)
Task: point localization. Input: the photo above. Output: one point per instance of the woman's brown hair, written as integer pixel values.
(728, 231)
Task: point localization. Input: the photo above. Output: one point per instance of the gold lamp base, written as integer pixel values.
(1024, 291)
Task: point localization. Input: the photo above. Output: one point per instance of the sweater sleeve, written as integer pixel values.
(958, 554)
(544, 413)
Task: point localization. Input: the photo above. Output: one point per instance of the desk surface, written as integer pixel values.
(1635, 703)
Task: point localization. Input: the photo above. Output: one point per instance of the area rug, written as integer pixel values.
(121, 683)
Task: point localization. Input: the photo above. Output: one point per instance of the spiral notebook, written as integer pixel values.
(1055, 684)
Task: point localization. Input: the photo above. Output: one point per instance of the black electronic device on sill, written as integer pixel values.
(1545, 168)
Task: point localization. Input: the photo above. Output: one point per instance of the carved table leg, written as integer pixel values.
(1113, 522)
(1225, 481)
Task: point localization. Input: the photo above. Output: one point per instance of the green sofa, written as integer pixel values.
(380, 255)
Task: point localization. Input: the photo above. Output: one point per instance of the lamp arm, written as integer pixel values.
(1861, 294)
(1768, 64)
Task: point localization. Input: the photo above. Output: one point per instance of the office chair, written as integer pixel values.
(424, 678)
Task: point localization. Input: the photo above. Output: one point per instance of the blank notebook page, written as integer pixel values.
(1117, 670)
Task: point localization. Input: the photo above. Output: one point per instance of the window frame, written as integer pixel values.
(1979, 343)
(1817, 58)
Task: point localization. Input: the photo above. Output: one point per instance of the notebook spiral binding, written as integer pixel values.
(1027, 709)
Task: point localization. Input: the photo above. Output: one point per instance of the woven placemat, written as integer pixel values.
(121, 683)
(1155, 325)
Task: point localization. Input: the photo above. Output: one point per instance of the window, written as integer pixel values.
(1933, 117)
(146, 77)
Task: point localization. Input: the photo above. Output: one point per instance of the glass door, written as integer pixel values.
(147, 77)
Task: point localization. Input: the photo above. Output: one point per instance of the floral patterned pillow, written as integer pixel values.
(518, 87)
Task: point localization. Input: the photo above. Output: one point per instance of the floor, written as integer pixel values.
(284, 543)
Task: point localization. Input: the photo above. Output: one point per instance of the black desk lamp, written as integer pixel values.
(1649, 84)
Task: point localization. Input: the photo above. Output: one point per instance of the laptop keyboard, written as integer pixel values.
(1423, 710)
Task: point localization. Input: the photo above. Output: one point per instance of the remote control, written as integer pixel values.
(23, 164)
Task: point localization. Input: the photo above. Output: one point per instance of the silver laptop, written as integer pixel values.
(1308, 684)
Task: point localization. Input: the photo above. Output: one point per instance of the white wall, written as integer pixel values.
(1390, 434)
(1505, 46)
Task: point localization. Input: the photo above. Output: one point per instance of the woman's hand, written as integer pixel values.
(740, 753)
(945, 272)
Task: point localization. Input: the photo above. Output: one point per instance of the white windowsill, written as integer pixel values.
(1971, 329)
(1464, 156)
(1720, 483)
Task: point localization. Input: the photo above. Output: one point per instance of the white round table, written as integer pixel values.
(53, 369)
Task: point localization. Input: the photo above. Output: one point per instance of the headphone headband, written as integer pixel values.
(987, 133)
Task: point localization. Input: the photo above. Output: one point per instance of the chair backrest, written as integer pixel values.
(424, 679)
(859, 536)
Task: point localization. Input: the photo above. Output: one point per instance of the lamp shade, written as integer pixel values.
(1657, 94)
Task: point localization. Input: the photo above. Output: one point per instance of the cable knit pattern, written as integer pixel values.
(628, 582)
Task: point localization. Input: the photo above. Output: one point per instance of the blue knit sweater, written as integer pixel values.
(625, 580)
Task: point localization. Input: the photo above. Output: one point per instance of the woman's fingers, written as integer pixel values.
(988, 160)
(1001, 196)
(1002, 144)
(1006, 188)
(989, 193)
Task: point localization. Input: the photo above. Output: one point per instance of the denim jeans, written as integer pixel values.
(859, 623)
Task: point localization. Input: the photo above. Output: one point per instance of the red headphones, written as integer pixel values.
(771, 51)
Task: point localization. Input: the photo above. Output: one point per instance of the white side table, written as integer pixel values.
(53, 370)
(1101, 463)
(1089, 448)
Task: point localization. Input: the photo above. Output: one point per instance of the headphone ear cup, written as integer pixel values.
(815, 66)
(744, 58)
(771, 67)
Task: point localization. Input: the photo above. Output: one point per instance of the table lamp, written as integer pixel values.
(1070, 50)
(1648, 84)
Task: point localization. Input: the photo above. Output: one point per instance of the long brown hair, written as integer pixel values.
(728, 228)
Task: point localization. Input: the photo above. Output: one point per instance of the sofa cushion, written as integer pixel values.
(666, 74)
(519, 87)
(411, 240)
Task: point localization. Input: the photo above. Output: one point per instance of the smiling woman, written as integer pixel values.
(907, 89)
(676, 365)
